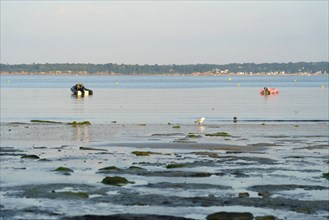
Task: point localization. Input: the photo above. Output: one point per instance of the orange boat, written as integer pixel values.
(269, 91)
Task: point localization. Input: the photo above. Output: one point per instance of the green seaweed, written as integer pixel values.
(192, 135)
(46, 121)
(90, 148)
(265, 194)
(266, 217)
(115, 181)
(63, 169)
(176, 126)
(325, 175)
(143, 153)
(175, 165)
(110, 168)
(17, 123)
(136, 168)
(82, 195)
(230, 215)
(44, 160)
(200, 174)
(31, 156)
(219, 134)
(244, 195)
(9, 149)
(77, 123)
(42, 147)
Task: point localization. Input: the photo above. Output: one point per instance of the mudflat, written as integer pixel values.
(164, 171)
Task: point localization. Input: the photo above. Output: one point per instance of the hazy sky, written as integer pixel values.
(163, 32)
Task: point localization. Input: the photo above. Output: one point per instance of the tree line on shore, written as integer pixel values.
(289, 68)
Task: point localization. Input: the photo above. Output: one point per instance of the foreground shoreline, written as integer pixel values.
(189, 171)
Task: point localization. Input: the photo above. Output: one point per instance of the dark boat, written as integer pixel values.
(79, 90)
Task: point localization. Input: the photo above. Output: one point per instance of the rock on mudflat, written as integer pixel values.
(243, 195)
(31, 156)
(230, 215)
(115, 180)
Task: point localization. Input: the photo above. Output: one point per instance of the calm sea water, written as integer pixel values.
(165, 82)
(163, 99)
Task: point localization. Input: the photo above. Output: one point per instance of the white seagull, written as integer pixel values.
(200, 120)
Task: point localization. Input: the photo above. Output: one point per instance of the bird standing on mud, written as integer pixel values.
(200, 120)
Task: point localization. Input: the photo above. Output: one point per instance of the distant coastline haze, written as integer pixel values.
(300, 68)
(164, 32)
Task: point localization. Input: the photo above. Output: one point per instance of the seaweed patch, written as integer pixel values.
(175, 165)
(219, 134)
(116, 181)
(77, 123)
(63, 169)
(46, 121)
(31, 156)
(144, 153)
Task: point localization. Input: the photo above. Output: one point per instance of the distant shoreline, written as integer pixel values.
(299, 68)
(64, 73)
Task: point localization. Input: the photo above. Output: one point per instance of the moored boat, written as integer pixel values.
(269, 91)
(79, 90)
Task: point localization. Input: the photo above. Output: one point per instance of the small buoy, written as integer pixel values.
(322, 86)
(238, 85)
(295, 80)
(116, 83)
(230, 79)
(8, 81)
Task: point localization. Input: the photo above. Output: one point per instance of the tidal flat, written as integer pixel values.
(161, 171)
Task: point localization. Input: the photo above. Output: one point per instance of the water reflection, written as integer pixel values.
(201, 128)
(82, 133)
(78, 103)
(161, 106)
(78, 107)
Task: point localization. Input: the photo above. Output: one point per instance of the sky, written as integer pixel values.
(163, 32)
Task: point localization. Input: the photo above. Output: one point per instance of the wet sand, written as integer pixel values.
(187, 171)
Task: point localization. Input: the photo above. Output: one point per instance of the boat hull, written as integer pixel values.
(85, 92)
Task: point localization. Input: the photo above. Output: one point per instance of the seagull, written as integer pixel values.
(200, 120)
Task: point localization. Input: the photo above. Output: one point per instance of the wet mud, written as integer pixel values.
(263, 173)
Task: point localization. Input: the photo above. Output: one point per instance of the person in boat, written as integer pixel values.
(80, 87)
(266, 91)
